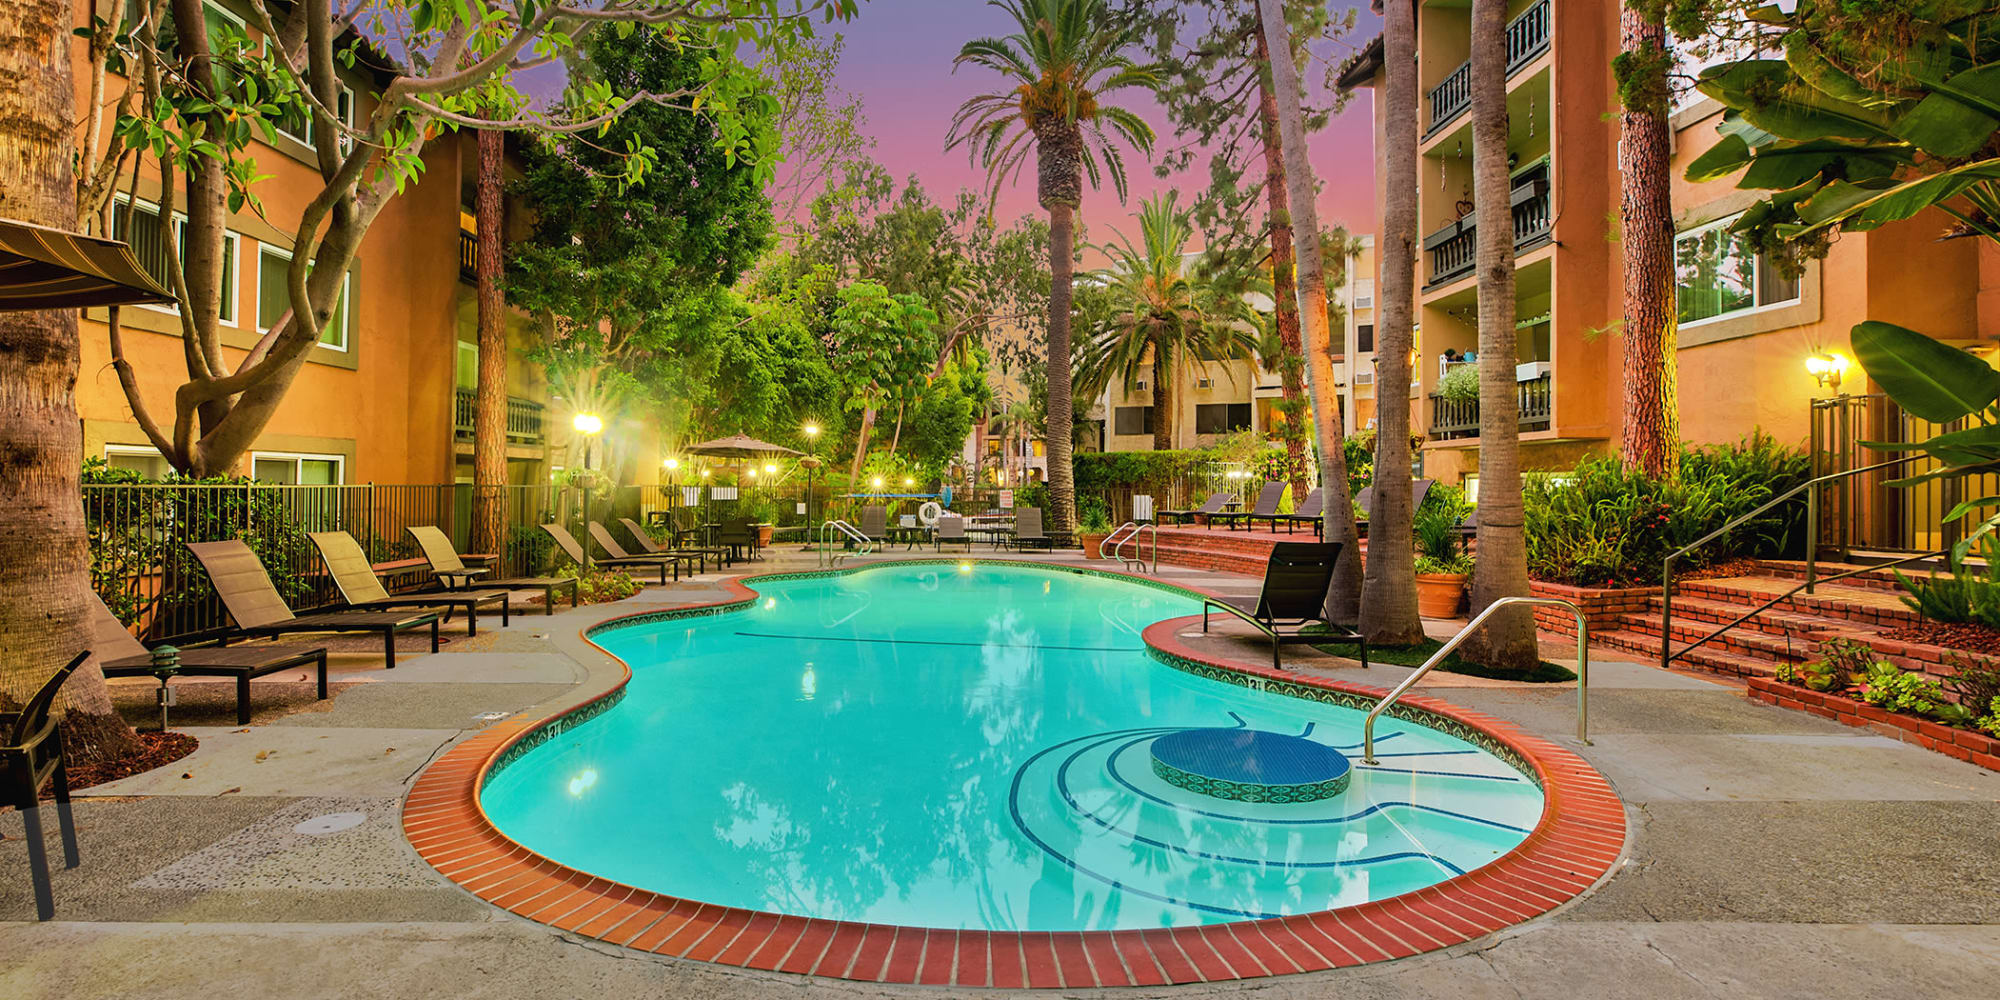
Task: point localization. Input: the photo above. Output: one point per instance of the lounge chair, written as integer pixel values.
(354, 576)
(739, 537)
(1293, 596)
(645, 540)
(254, 605)
(875, 523)
(1309, 511)
(951, 531)
(569, 546)
(1267, 507)
(31, 755)
(1419, 488)
(1028, 530)
(688, 527)
(120, 655)
(453, 574)
(1210, 507)
(602, 535)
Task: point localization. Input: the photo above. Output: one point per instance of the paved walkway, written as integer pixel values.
(1773, 854)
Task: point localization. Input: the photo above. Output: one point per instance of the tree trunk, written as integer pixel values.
(896, 439)
(44, 555)
(1646, 215)
(1294, 404)
(1343, 603)
(1507, 641)
(861, 448)
(1165, 421)
(489, 408)
(1061, 476)
(1389, 595)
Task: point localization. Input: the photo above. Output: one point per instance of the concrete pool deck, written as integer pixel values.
(1771, 854)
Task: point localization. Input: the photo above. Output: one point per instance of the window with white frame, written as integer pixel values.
(147, 238)
(295, 469)
(299, 123)
(274, 296)
(1717, 273)
(143, 459)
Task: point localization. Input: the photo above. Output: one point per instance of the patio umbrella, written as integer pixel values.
(43, 268)
(739, 446)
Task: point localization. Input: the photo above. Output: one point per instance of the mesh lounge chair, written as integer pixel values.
(1419, 488)
(1308, 512)
(570, 547)
(123, 656)
(453, 574)
(703, 553)
(1293, 596)
(951, 531)
(1209, 508)
(1028, 530)
(610, 545)
(354, 576)
(875, 522)
(254, 605)
(1266, 508)
(31, 756)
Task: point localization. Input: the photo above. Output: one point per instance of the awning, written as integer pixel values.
(43, 268)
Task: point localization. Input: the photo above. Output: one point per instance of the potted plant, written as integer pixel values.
(1093, 525)
(1441, 585)
(1442, 563)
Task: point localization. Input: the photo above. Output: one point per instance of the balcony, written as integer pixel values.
(1453, 419)
(468, 257)
(1527, 38)
(524, 419)
(1452, 249)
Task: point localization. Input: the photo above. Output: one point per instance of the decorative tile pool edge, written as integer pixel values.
(1577, 843)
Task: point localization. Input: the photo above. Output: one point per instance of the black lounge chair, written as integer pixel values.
(738, 536)
(569, 546)
(704, 553)
(453, 574)
(1311, 511)
(951, 531)
(31, 756)
(1028, 530)
(1210, 507)
(354, 576)
(1293, 596)
(1419, 489)
(120, 655)
(875, 523)
(1266, 508)
(610, 545)
(254, 605)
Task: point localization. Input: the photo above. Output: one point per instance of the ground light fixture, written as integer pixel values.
(589, 425)
(1827, 368)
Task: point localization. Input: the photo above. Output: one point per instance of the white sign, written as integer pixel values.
(1006, 499)
(798, 508)
(722, 493)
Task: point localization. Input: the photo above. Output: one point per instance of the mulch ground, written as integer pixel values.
(1951, 635)
(1723, 570)
(155, 750)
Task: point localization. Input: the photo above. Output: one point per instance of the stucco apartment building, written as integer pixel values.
(1745, 329)
(386, 396)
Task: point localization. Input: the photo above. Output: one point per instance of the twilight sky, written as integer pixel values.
(898, 59)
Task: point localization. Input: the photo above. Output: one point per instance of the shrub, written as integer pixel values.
(1840, 662)
(1889, 686)
(602, 586)
(1973, 683)
(1460, 384)
(1968, 595)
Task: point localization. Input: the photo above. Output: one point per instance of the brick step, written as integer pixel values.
(1827, 603)
(1872, 579)
(1773, 621)
(1721, 661)
(1748, 642)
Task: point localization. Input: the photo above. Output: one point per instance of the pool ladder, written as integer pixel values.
(1130, 531)
(837, 530)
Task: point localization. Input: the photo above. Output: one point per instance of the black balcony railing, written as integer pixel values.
(1527, 39)
(1452, 248)
(468, 256)
(1459, 418)
(524, 418)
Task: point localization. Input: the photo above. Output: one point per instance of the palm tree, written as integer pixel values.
(1066, 57)
(1507, 641)
(1646, 228)
(1166, 313)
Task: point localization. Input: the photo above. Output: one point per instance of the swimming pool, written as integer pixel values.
(987, 746)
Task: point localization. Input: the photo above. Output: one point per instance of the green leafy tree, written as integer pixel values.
(881, 345)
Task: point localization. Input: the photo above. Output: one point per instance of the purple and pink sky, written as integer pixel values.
(898, 59)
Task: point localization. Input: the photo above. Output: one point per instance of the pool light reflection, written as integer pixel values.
(582, 782)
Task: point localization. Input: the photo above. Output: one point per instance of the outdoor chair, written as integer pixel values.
(739, 537)
(1210, 507)
(120, 655)
(354, 576)
(453, 574)
(1266, 508)
(254, 605)
(571, 548)
(1028, 530)
(1309, 512)
(1419, 489)
(688, 526)
(1292, 596)
(875, 522)
(602, 535)
(31, 756)
(703, 553)
(951, 531)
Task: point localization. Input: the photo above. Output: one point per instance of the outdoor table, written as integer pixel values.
(909, 535)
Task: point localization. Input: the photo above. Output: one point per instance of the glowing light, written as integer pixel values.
(770, 602)
(770, 468)
(587, 423)
(753, 473)
(1827, 368)
(811, 430)
(876, 482)
(704, 473)
(965, 567)
(672, 464)
(909, 481)
(582, 782)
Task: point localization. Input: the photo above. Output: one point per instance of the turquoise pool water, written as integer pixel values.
(968, 746)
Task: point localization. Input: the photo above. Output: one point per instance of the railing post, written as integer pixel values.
(1812, 534)
(1666, 610)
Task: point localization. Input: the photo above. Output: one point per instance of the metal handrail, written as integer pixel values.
(1667, 639)
(1117, 537)
(1582, 669)
(827, 531)
(1133, 559)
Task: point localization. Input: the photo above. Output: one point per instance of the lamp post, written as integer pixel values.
(811, 431)
(589, 425)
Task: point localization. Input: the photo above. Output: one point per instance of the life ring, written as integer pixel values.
(929, 513)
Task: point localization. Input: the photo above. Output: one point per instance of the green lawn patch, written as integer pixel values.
(1413, 656)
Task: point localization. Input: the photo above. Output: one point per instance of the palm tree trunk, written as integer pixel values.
(1165, 420)
(1061, 476)
(44, 555)
(1507, 642)
(1343, 602)
(1295, 404)
(1652, 414)
(489, 407)
(1389, 595)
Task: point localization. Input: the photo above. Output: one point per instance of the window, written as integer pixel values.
(298, 123)
(143, 459)
(296, 470)
(1364, 338)
(274, 297)
(1717, 274)
(1132, 420)
(147, 238)
(222, 24)
(468, 365)
(1204, 383)
(1221, 418)
(1139, 386)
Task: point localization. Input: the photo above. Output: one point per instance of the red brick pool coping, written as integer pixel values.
(1578, 841)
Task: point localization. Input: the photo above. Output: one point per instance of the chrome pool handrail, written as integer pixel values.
(829, 530)
(1133, 561)
(1582, 669)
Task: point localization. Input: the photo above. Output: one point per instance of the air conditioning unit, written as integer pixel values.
(1364, 302)
(1139, 386)
(1364, 378)
(1204, 383)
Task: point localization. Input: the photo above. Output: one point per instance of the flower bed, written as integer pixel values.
(1963, 744)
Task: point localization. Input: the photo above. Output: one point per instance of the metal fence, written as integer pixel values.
(1863, 513)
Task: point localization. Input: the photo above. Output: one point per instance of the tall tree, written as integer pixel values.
(44, 558)
(1389, 600)
(489, 404)
(1344, 599)
(1064, 59)
(1651, 435)
(1507, 641)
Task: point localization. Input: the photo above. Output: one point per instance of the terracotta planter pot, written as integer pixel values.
(1439, 594)
(1091, 544)
(764, 533)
